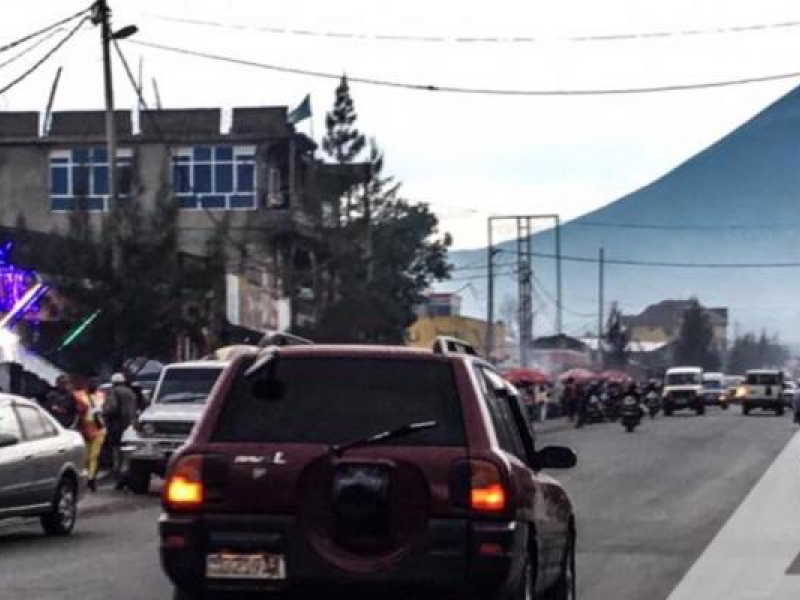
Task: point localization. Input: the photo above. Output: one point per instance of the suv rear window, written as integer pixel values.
(187, 384)
(763, 379)
(337, 400)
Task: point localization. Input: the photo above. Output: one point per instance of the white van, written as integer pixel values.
(763, 389)
(683, 389)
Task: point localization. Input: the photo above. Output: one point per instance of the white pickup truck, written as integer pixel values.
(178, 401)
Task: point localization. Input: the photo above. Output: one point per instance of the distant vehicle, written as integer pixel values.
(327, 469)
(732, 384)
(683, 390)
(42, 466)
(789, 393)
(763, 389)
(178, 401)
(714, 390)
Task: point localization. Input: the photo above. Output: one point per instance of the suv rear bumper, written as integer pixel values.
(457, 555)
(765, 403)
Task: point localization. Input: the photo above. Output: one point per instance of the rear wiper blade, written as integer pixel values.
(407, 429)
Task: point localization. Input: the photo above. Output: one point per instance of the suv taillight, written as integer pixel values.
(184, 486)
(478, 485)
(195, 479)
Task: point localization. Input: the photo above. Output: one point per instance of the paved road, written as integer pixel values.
(648, 505)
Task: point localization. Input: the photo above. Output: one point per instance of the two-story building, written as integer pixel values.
(247, 170)
(659, 324)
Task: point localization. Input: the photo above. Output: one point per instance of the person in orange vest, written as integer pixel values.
(91, 425)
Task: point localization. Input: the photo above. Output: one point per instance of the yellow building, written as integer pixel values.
(426, 329)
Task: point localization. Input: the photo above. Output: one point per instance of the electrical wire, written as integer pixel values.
(44, 58)
(30, 48)
(242, 248)
(665, 264)
(466, 90)
(35, 34)
(700, 227)
(465, 39)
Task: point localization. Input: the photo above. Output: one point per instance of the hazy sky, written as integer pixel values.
(469, 155)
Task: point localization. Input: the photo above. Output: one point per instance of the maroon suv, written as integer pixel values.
(327, 469)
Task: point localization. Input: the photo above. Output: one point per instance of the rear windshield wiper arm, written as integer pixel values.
(407, 429)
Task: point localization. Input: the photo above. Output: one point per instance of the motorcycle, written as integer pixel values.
(630, 413)
(653, 404)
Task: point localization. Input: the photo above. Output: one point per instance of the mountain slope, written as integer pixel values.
(738, 201)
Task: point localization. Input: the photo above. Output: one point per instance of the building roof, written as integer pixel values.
(669, 313)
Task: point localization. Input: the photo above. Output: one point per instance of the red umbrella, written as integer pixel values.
(615, 376)
(529, 376)
(579, 375)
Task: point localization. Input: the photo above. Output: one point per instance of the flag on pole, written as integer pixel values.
(303, 111)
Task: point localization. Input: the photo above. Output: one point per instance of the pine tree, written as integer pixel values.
(616, 339)
(386, 251)
(343, 142)
(695, 343)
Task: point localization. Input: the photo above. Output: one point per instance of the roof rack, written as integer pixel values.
(283, 339)
(447, 345)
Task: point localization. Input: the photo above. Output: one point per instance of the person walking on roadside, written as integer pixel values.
(60, 402)
(91, 426)
(569, 398)
(119, 411)
(541, 398)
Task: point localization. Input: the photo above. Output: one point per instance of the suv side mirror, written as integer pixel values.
(8, 439)
(556, 457)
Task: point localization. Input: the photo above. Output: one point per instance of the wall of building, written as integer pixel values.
(426, 329)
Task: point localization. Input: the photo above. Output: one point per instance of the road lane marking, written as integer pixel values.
(752, 556)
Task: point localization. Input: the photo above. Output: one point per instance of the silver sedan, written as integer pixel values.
(42, 466)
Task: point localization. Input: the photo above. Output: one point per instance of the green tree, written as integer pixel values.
(343, 142)
(388, 253)
(695, 343)
(616, 339)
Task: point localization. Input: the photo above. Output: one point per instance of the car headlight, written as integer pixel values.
(147, 429)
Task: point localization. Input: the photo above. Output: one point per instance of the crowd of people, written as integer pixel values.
(100, 417)
(575, 400)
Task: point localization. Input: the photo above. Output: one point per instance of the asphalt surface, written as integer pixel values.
(648, 504)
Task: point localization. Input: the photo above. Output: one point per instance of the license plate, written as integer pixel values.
(245, 566)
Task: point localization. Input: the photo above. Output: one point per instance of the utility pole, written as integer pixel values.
(524, 225)
(102, 16)
(490, 341)
(525, 289)
(601, 264)
(559, 297)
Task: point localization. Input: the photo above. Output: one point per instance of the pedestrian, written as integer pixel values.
(91, 426)
(569, 398)
(119, 412)
(541, 398)
(60, 402)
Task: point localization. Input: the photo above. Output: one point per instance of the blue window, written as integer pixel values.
(223, 178)
(214, 177)
(79, 178)
(245, 178)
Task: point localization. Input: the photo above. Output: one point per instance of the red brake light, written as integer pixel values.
(491, 498)
(487, 493)
(184, 486)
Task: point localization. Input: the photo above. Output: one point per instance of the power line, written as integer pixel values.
(35, 34)
(668, 264)
(472, 39)
(30, 48)
(700, 227)
(467, 90)
(242, 248)
(44, 58)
